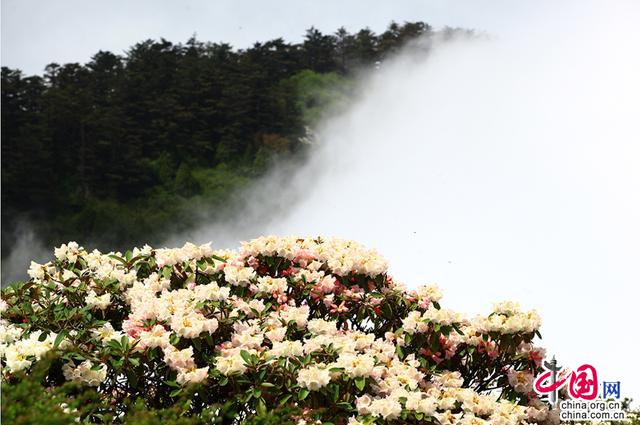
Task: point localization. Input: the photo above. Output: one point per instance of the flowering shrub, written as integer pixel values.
(313, 326)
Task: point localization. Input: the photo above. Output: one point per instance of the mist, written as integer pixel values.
(27, 247)
(499, 168)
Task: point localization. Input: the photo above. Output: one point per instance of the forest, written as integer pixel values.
(124, 148)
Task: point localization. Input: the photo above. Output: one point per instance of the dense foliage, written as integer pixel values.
(315, 327)
(124, 145)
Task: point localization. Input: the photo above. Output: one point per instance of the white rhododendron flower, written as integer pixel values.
(68, 252)
(15, 359)
(442, 316)
(314, 378)
(291, 321)
(521, 381)
(507, 308)
(276, 334)
(356, 365)
(387, 408)
(94, 300)
(193, 376)
(157, 336)
(106, 333)
(321, 327)
(272, 285)
(85, 373)
(247, 339)
(299, 315)
(448, 379)
(231, 365)
(238, 275)
(36, 271)
(527, 322)
(427, 294)
(179, 359)
(286, 349)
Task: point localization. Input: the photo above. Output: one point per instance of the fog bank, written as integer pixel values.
(500, 169)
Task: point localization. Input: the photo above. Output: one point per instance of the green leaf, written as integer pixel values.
(360, 382)
(59, 338)
(176, 392)
(387, 311)
(196, 343)
(335, 392)
(174, 339)
(303, 394)
(115, 257)
(246, 356)
(166, 272)
(284, 399)
(262, 407)
(215, 257)
(209, 339)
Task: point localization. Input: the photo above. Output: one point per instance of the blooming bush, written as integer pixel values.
(313, 327)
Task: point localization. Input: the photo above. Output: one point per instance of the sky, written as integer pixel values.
(36, 33)
(500, 169)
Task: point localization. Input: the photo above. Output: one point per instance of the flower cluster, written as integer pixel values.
(19, 353)
(310, 323)
(507, 318)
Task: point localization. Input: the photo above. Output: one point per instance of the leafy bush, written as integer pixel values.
(284, 330)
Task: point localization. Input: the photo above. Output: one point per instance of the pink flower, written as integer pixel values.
(328, 284)
(424, 303)
(490, 347)
(133, 327)
(253, 262)
(303, 257)
(449, 347)
(337, 309)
